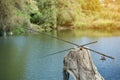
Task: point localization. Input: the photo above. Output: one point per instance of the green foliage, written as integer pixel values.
(13, 13)
(37, 18)
(19, 30)
(64, 18)
(66, 12)
(73, 12)
(48, 14)
(48, 10)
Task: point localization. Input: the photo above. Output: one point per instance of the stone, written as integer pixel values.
(79, 64)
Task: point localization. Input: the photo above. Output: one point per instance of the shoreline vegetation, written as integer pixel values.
(47, 15)
(89, 33)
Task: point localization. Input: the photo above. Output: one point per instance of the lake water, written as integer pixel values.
(21, 57)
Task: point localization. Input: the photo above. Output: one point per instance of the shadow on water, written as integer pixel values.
(12, 57)
(20, 56)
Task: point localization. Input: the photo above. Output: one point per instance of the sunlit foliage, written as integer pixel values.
(51, 14)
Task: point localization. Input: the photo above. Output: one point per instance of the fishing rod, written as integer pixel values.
(70, 43)
(70, 49)
(99, 53)
(84, 48)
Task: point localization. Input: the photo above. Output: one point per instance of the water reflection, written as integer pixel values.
(12, 58)
(21, 56)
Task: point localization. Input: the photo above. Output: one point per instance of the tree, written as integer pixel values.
(6, 12)
(47, 11)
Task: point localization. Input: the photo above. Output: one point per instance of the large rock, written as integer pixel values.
(79, 64)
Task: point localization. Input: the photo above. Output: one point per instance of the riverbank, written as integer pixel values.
(58, 15)
(87, 33)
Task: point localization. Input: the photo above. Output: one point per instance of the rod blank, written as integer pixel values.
(71, 43)
(70, 49)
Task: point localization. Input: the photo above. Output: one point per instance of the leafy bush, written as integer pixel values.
(37, 18)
